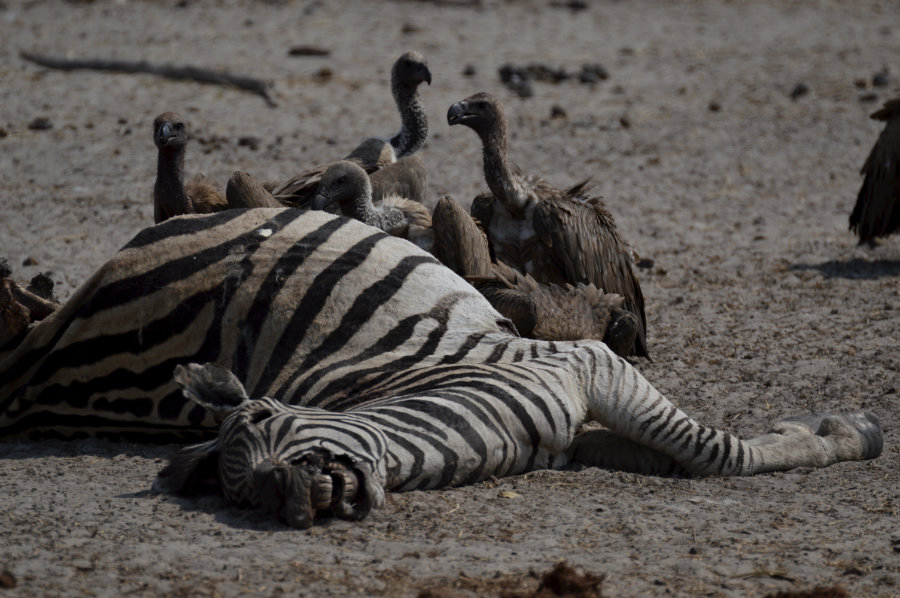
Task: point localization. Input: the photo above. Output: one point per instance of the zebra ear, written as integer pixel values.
(211, 386)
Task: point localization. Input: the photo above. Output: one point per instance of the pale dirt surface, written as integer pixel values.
(760, 305)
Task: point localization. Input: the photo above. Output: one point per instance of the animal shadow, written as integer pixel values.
(854, 268)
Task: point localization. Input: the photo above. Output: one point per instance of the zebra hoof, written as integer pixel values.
(621, 332)
(859, 431)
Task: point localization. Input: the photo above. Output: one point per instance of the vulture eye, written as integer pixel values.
(341, 179)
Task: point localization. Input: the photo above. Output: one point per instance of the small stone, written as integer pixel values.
(800, 90)
(714, 106)
(29, 261)
(469, 71)
(249, 141)
(557, 112)
(308, 51)
(41, 123)
(593, 73)
(7, 579)
(881, 79)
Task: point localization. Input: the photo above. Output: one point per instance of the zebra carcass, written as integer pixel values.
(346, 363)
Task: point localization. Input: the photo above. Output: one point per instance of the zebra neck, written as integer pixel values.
(414, 124)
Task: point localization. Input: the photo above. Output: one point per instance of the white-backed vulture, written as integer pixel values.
(171, 195)
(557, 236)
(540, 311)
(346, 184)
(409, 71)
(877, 209)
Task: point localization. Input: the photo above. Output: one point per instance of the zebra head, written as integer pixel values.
(293, 461)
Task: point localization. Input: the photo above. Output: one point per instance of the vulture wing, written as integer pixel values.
(298, 191)
(580, 237)
(877, 209)
(405, 178)
(458, 242)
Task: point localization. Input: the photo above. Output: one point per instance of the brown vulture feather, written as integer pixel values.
(556, 236)
(409, 71)
(877, 209)
(243, 191)
(541, 311)
(171, 196)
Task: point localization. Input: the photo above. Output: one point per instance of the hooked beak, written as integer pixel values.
(457, 113)
(165, 134)
(321, 200)
(426, 75)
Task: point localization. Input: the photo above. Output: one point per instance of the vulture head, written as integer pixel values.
(410, 70)
(169, 131)
(482, 112)
(342, 183)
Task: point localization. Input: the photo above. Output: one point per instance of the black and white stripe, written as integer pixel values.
(371, 354)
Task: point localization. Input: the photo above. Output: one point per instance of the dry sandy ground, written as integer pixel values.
(760, 304)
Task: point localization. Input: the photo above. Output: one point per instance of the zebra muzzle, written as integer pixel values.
(314, 483)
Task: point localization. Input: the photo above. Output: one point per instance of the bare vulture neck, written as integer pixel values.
(414, 123)
(503, 182)
(361, 208)
(169, 189)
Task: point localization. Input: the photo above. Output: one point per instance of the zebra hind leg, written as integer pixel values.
(815, 440)
(818, 440)
(608, 450)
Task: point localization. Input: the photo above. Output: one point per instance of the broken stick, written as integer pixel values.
(190, 73)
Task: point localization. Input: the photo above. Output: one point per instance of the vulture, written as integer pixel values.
(877, 209)
(373, 154)
(346, 184)
(556, 236)
(540, 311)
(243, 191)
(171, 195)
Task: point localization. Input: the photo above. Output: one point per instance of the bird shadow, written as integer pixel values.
(854, 268)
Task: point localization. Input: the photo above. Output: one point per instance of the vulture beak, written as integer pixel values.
(321, 200)
(426, 75)
(164, 134)
(457, 113)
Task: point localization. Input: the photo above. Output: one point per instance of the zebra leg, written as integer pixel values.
(607, 450)
(623, 401)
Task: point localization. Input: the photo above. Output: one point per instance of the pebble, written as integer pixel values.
(41, 123)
